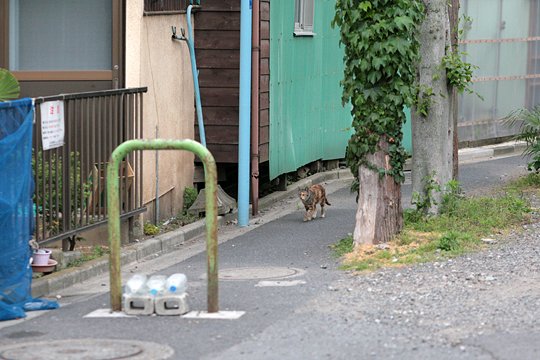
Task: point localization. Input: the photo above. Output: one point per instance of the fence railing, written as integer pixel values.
(70, 182)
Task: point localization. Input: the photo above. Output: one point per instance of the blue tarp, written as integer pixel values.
(16, 211)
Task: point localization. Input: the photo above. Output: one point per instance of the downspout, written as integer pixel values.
(189, 39)
(244, 112)
(255, 55)
(195, 72)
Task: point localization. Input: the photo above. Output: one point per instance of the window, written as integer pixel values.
(304, 11)
(60, 35)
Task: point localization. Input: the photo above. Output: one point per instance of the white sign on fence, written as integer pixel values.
(52, 124)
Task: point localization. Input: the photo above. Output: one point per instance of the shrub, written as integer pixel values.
(150, 229)
(529, 127)
(190, 195)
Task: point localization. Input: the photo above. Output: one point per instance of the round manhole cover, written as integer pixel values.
(88, 349)
(258, 273)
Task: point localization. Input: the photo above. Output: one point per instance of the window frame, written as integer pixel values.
(114, 75)
(304, 16)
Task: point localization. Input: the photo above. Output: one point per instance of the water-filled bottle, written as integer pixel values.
(176, 283)
(136, 284)
(156, 284)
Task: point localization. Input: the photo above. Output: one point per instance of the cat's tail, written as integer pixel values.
(326, 201)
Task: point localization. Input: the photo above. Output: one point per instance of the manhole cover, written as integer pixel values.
(88, 349)
(258, 273)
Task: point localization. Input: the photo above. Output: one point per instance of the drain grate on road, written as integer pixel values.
(88, 349)
(259, 273)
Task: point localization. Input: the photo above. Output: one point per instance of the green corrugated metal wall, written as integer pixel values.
(307, 121)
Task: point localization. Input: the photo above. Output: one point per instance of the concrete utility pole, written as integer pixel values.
(433, 134)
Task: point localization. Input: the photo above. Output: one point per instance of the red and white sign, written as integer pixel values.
(52, 124)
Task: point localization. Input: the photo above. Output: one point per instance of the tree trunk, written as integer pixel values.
(379, 215)
(433, 135)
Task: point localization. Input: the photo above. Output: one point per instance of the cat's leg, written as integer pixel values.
(322, 210)
(314, 212)
(307, 214)
(310, 214)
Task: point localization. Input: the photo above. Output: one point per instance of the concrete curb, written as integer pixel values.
(163, 243)
(489, 151)
(467, 155)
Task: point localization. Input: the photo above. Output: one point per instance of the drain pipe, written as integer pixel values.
(189, 40)
(255, 55)
(156, 211)
(244, 112)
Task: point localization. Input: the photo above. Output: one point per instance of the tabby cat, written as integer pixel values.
(310, 197)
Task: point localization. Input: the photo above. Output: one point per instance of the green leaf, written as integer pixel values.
(403, 22)
(9, 86)
(365, 5)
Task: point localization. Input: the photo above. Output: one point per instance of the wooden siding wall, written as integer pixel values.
(217, 48)
(264, 82)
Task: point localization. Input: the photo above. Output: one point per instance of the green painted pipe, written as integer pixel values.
(113, 206)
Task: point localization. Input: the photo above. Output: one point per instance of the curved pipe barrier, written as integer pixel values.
(113, 204)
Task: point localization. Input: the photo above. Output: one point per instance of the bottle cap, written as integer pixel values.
(172, 288)
(153, 292)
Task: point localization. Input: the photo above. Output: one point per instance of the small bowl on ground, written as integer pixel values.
(45, 268)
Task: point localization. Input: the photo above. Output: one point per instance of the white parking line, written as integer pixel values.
(221, 315)
(265, 283)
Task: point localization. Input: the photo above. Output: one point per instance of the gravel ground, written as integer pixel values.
(484, 305)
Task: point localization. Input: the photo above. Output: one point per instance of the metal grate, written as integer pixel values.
(70, 180)
(165, 5)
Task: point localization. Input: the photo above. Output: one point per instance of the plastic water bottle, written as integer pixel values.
(156, 284)
(176, 283)
(136, 284)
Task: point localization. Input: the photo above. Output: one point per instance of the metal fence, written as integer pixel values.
(70, 180)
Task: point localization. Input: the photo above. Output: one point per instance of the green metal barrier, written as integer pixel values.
(113, 203)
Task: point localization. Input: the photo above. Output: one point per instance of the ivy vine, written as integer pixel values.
(381, 56)
(458, 72)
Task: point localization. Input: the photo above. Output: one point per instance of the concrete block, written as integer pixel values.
(170, 304)
(171, 241)
(194, 229)
(138, 304)
(503, 150)
(332, 164)
(148, 247)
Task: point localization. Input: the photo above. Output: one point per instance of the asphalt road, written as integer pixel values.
(281, 273)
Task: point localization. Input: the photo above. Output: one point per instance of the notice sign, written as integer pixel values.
(52, 124)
